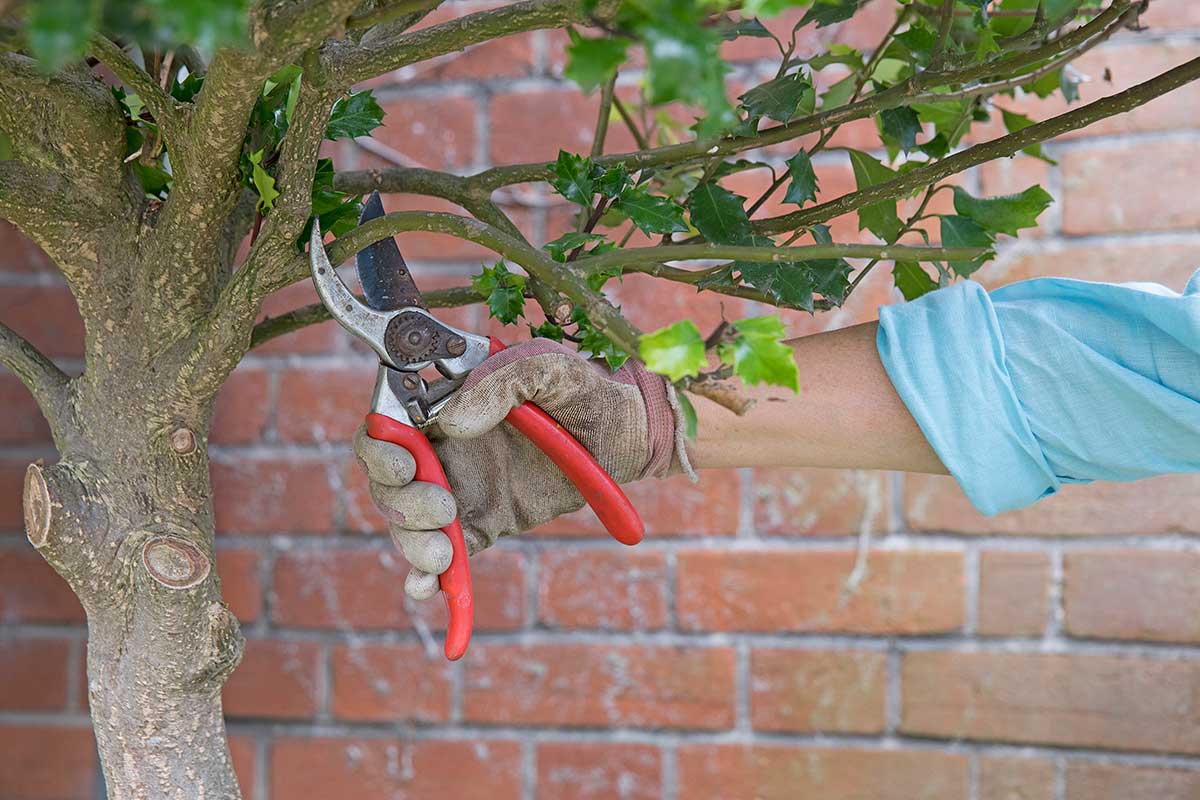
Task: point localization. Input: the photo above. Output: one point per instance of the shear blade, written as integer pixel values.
(386, 282)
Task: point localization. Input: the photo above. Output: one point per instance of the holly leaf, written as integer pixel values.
(758, 354)
(804, 180)
(652, 214)
(780, 99)
(573, 178)
(263, 182)
(189, 87)
(690, 423)
(676, 351)
(1007, 214)
(547, 330)
(963, 232)
(828, 12)
(356, 114)
(592, 62)
(613, 181)
(1068, 82)
(504, 292)
(561, 247)
(912, 280)
(58, 30)
(594, 341)
(719, 214)
(683, 62)
(745, 27)
(787, 284)
(901, 125)
(881, 218)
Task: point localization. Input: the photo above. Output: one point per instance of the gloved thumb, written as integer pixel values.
(546, 372)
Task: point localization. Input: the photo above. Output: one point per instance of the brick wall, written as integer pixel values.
(1045, 654)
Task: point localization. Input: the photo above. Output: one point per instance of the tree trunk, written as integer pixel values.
(126, 518)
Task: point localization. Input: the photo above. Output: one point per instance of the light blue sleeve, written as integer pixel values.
(1050, 381)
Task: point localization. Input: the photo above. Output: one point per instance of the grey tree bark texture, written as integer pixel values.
(126, 515)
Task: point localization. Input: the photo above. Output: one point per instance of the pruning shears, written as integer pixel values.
(407, 338)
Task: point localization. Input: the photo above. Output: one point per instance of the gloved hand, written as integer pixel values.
(502, 483)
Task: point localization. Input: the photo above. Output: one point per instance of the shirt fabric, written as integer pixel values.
(1050, 381)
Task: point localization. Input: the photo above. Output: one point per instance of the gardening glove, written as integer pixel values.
(502, 483)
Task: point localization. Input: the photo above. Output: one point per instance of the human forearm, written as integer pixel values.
(846, 415)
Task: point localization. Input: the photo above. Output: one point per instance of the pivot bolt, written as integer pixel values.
(456, 346)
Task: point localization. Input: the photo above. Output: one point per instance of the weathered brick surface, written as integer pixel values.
(588, 686)
(585, 771)
(1014, 593)
(390, 682)
(773, 772)
(1016, 778)
(818, 690)
(705, 663)
(1127, 594)
(367, 769)
(770, 590)
(1118, 703)
(1091, 781)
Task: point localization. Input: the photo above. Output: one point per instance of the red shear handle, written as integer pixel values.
(455, 582)
(598, 488)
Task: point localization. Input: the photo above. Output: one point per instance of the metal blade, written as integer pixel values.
(386, 282)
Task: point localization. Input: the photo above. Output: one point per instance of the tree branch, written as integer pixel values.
(165, 110)
(1004, 146)
(352, 63)
(45, 381)
(630, 258)
(273, 327)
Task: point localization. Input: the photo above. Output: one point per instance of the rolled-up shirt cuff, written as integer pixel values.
(944, 353)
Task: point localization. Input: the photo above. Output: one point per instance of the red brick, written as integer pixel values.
(31, 591)
(614, 590)
(438, 133)
(535, 125)
(651, 303)
(1169, 264)
(43, 762)
(12, 488)
(1172, 14)
(1091, 781)
(44, 315)
(319, 588)
(781, 772)
(781, 590)
(390, 682)
(506, 57)
(1056, 699)
(240, 586)
(19, 254)
(595, 771)
(323, 405)
(320, 338)
(34, 674)
(243, 752)
(810, 691)
(276, 680)
(707, 508)
(1109, 188)
(421, 246)
(1131, 594)
(370, 769)
(242, 408)
(22, 422)
(819, 502)
(1014, 593)
(1169, 504)
(601, 685)
(1013, 778)
(272, 496)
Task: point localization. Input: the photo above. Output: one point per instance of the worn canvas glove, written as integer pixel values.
(502, 483)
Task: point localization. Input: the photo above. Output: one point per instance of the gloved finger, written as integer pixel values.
(385, 463)
(542, 371)
(420, 585)
(475, 541)
(419, 506)
(428, 551)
